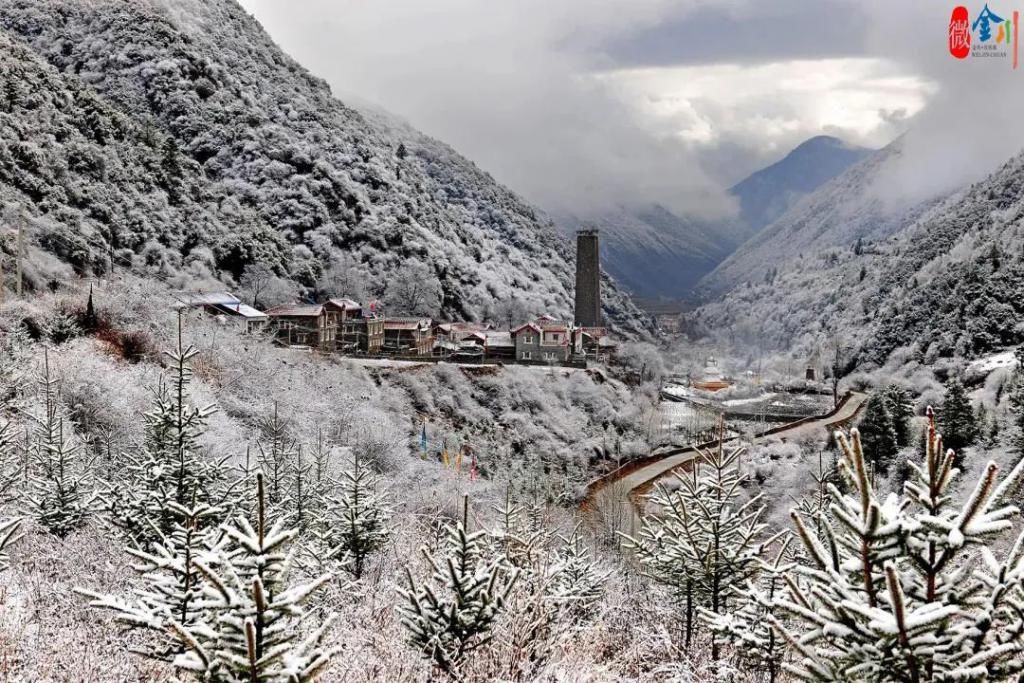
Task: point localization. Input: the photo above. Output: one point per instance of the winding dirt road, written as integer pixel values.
(625, 487)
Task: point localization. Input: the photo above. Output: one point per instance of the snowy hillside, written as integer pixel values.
(948, 286)
(177, 138)
(845, 209)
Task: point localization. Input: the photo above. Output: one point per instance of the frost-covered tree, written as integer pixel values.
(173, 588)
(909, 587)
(704, 541)
(170, 467)
(577, 579)
(956, 417)
(354, 525)
(8, 536)
(878, 433)
(451, 616)
(901, 409)
(413, 290)
(1016, 399)
(253, 631)
(277, 449)
(746, 626)
(60, 491)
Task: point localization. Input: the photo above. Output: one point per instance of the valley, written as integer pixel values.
(292, 391)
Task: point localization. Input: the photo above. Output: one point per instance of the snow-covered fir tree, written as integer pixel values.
(354, 524)
(60, 491)
(878, 434)
(277, 449)
(451, 615)
(909, 587)
(9, 535)
(901, 410)
(577, 579)
(956, 419)
(173, 591)
(1016, 399)
(170, 467)
(746, 627)
(253, 631)
(703, 541)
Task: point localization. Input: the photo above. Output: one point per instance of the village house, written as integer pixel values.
(455, 337)
(356, 331)
(227, 307)
(595, 342)
(408, 336)
(543, 340)
(305, 325)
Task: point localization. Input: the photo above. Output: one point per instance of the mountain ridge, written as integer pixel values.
(276, 170)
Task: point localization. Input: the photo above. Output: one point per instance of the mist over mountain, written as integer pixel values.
(655, 253)
(767, 194)
(177, 139)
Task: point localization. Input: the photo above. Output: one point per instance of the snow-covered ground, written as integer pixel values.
(1004, 359)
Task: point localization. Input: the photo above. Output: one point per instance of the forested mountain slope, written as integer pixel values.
(767, 194)
(950, 285)
(176, 135)
(843, 210)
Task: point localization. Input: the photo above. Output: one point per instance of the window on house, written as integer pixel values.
(527, 340)
(549, 356)
(527, 355)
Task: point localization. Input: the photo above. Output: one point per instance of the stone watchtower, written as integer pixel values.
(588, 279)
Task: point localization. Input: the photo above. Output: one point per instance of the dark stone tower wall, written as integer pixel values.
(588, 280)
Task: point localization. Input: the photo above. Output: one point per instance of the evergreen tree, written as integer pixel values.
(1016, 399)
(878, 433)
(901, 409)
(703, 542)
(956, 418)
(255, 615)
(60, 485)
(8, 536)
(907, 589)
(355, 524)
(577, 582)
(746, 626)
(173, 592)
(170, 468)
(276, 457)
(451, 616)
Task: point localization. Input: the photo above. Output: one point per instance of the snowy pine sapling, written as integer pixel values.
(252, 633)
(746, 626)
(170, 467)
(908, 588)
(703, 542)
(174, 588)
(60, 491)
(354, 525)
(451, 616)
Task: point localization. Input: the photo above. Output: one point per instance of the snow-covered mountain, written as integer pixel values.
(175, 137)
(944, 286)
(767, 194)
(848, 208)
(655, 253)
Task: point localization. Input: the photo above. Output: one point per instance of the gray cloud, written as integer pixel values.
(741, 32)
(584, 104)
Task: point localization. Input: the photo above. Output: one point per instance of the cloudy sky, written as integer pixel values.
(580, 104)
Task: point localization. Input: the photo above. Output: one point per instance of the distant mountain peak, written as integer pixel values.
(767, 194)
